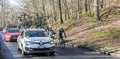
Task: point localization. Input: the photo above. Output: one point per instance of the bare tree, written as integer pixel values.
(86, 8)
(60, 9)
(54, 10)
(79, 8)
(101, 3)
(67, 16)
(96, 10)
(44, 10)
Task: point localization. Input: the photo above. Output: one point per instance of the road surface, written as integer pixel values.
(61, 53)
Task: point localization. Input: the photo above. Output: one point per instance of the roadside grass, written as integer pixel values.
(92, 20)
(102, 34)
(110, 33)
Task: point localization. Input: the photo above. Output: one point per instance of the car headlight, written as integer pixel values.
(28, 43)
(51, 42)
(8, 36)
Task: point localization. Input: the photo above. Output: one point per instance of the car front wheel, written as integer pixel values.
(52, 53)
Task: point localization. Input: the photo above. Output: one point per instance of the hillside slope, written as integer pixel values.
(102, 35)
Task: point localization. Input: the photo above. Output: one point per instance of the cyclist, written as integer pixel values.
(60, 36)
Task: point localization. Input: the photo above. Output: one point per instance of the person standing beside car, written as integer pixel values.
(51, 33)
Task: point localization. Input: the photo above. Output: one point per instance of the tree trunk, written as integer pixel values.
(43, 4)
(79, 8)
(101, 4)
(86, 8)
(68, 14)
(72, 11)
(54, 10)
(96, 10)
(66, 9)
(3, 12)
(60, 9)
(89, 5)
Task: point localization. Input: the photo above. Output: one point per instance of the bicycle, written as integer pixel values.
(62, 42)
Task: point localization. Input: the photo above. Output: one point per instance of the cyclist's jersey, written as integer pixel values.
(60, 33)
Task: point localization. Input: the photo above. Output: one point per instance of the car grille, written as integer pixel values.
(40, 43)
(14, 37)
(41, 49)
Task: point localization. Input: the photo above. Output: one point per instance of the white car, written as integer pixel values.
(35, 41)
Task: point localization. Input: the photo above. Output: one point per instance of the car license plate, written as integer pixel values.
(14, 38)
(41, 46)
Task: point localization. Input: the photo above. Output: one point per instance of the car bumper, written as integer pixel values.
(39, 50)
(12, 38)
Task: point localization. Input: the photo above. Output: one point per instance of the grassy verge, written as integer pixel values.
(110, 33)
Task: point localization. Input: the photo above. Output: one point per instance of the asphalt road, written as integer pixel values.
(61, 53)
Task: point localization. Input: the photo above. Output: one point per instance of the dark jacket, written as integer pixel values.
(60, 33)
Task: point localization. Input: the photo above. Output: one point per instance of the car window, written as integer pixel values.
(36, 34)
(28, 34)
(12, 31)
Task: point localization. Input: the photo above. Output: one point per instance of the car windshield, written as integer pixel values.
(36, 34)
(12, 30)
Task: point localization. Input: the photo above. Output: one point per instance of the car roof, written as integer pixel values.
(33, 29)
